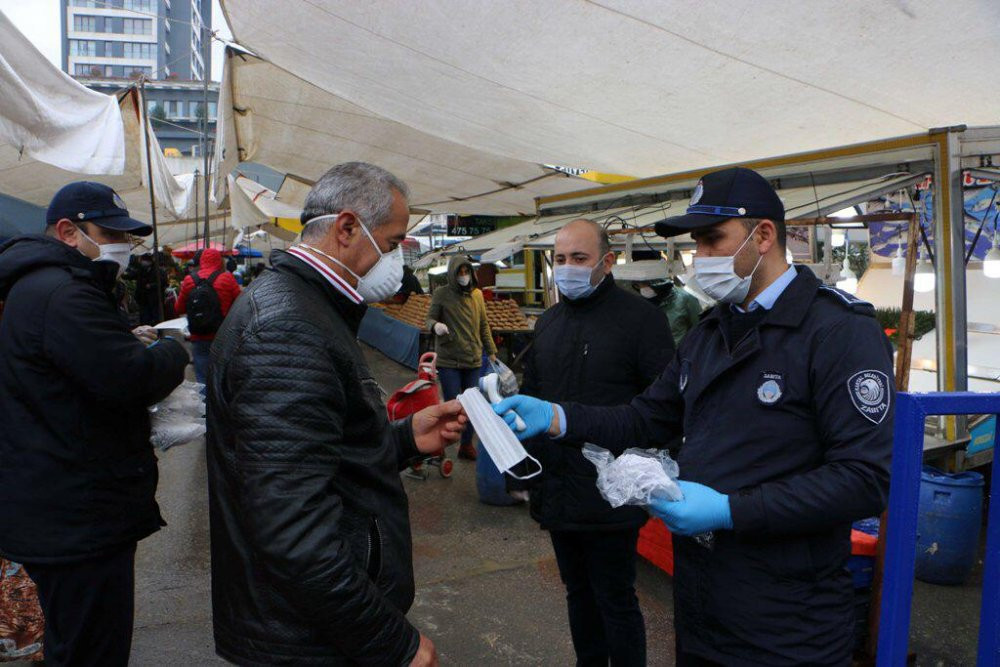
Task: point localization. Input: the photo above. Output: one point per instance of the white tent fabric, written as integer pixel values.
(51, 118)
(54, 130)
(799, 202)
(639, 87)
(296, 128)
(255, 207)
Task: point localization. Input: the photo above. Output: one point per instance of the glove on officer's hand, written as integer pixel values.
(441, 329)
(537, 415)
(702, 510)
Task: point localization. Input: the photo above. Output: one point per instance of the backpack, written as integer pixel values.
(204, 310)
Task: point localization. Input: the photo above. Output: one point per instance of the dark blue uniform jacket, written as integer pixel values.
(794, 422)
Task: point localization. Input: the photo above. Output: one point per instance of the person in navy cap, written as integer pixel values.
(77, 471)
(784, 395)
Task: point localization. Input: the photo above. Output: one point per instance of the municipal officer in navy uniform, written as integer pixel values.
(784, 396)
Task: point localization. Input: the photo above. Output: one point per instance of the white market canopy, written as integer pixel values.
(54, 130)
(800, 201)
(637, 87)
(272, 117)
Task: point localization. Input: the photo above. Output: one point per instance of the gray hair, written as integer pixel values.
(361, 187)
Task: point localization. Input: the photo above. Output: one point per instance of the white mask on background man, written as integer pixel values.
(383, 279)
(464, 280)
(647, 292)
(716, 276)
(119, 253)
(574, 282)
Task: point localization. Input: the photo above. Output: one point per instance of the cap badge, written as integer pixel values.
(119, 202)
(80, 216)
(696, 195)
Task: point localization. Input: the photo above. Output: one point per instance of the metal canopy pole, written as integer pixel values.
(152, 198)
(205, 75)
(949, 249)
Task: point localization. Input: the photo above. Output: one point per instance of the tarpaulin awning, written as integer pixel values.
(804, 201)
(638, 87)
(54, 130)
(271, 116)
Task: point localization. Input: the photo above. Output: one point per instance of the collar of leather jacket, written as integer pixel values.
(352, 312)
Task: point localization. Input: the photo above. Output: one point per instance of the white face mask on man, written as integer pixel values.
(382, 280)
(464, 280)
(119, 253)
(716, 276)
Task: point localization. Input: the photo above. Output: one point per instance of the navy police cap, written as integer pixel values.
(736, 192)
(85, 201)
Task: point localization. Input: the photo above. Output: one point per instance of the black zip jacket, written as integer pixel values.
(77, 472)
(603, 349)
(311, 549)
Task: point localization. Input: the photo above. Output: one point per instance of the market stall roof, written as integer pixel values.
(54, 130)
(802, 201)
(636, 87)
(272, 117)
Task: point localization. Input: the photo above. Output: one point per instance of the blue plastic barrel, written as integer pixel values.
(948, 524)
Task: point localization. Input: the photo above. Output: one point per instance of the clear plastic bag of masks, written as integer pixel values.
(635, 477)
(179, 418)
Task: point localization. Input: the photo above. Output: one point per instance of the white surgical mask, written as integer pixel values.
(574, 281)
(464, 280)
(716, 276)
(119, 253)
(647, 292)
(382, 280)
(500, 442)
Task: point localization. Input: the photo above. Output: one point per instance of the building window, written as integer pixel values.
(213, 108)
(87, 69)
(82, 47)
(138, 26)
(85, 23)
(85, 3)
(143, 50)
(134, 72)
(141, 5)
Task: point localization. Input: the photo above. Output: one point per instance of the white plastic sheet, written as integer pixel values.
(299, 129)
(639, 87)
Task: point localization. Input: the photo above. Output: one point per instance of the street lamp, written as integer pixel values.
(837, 238)
(923, 279)
(991, 263)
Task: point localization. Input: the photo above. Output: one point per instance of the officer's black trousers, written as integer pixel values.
(88, 608)
(598, 568)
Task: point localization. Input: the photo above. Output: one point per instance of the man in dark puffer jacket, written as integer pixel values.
(602, 345)
(77, 472)
(311, 549)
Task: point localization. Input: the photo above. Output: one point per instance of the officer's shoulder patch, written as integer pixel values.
(869, 391)
(847, 300)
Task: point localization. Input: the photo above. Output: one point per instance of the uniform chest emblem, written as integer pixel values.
(771, 388)
(869, 392)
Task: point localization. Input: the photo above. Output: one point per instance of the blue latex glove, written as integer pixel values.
(702, 510)
(536, 413)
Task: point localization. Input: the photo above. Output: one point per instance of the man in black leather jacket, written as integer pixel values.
(77, 471)
(311, 548)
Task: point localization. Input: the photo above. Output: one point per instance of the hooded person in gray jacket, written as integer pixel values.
(461, 333)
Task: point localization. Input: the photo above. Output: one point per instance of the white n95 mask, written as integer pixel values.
(382, 280)
(717, 278)
(500, 442)
(119, 253)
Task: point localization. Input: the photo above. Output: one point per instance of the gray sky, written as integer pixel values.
(39, 21)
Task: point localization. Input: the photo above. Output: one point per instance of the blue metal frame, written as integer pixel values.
(901, 532)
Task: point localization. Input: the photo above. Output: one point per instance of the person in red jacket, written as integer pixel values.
(227, 289)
